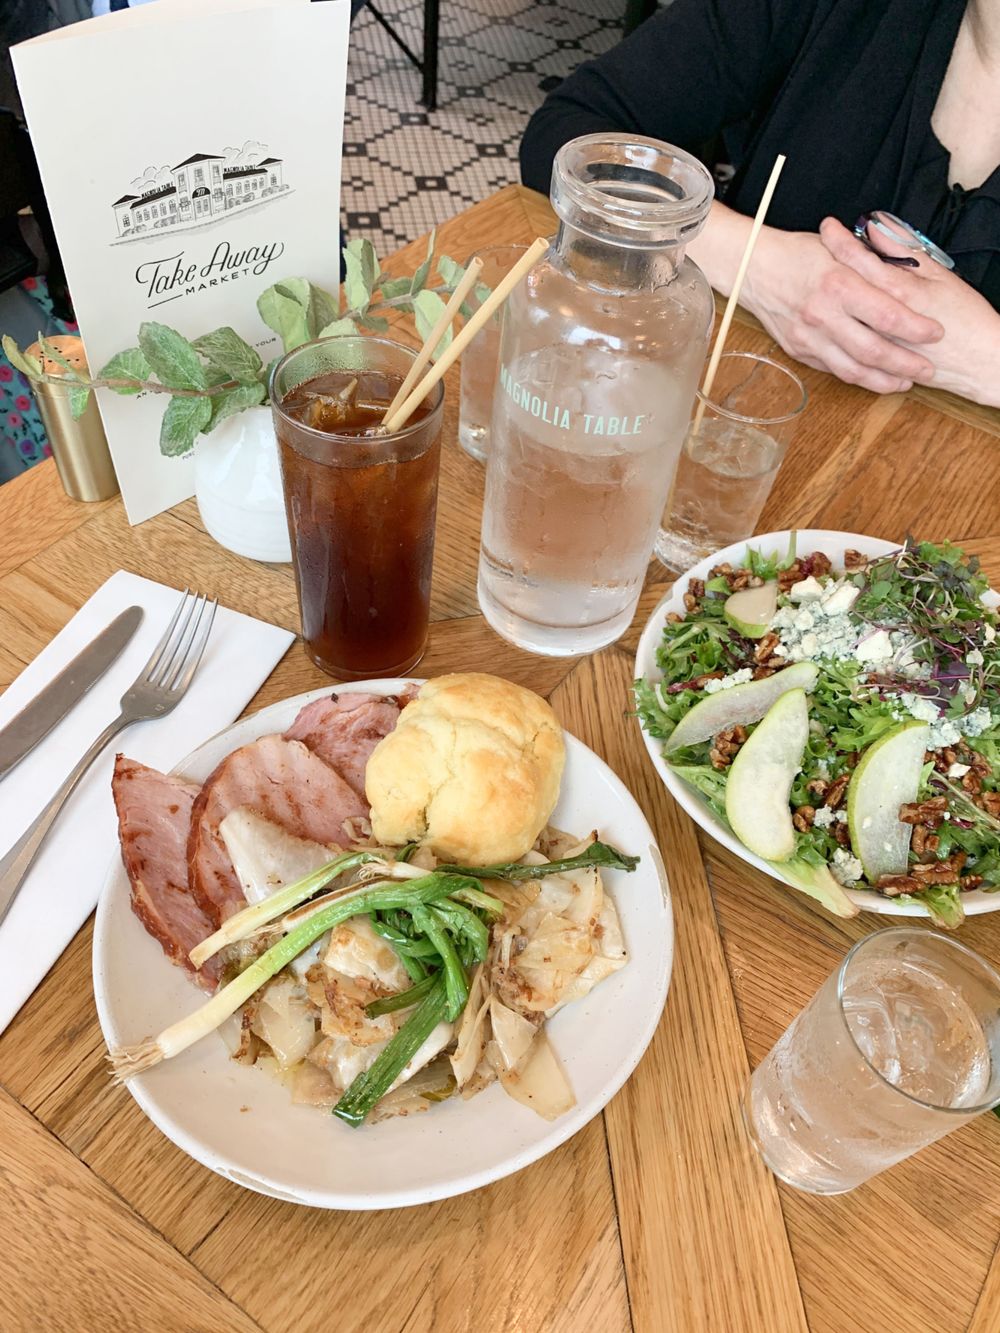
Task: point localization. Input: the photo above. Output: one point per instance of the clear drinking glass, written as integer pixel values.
(601, 351)
(898, 1047)
(728, 465)
(480, 358)
(361, 505)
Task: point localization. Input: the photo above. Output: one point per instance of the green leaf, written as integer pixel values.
(356, 290)
(171, 357)
(375, 323)
(21, 361)
(393, 287)
(365, 252)
(450, 269)
(428, 309)
(182, 421)
(285, 316)
(423, 272)
(228, 354)
(338, 329)
(127, 365)
(231, 401)
(323, 309)
(79, 397)
(54, 354)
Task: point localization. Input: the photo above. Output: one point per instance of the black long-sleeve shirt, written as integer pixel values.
(845, 88)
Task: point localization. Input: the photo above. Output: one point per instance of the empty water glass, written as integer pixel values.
(729, 461)
(480, 360)
(899, 1046)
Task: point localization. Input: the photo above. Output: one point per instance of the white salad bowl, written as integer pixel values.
(833, 544)
(240, 1121)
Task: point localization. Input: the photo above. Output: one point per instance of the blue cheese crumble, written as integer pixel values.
(727, 682)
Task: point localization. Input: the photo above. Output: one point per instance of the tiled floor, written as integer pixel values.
(406, 169)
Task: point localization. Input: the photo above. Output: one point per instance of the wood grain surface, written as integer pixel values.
(657, 1216)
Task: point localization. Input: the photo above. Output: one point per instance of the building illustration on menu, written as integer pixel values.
(203, 186)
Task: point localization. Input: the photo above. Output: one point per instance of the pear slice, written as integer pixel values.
(886, 777)
(740, 704)
(760, 779)
(751, 610)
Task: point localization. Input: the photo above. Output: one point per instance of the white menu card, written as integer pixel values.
(190, 154)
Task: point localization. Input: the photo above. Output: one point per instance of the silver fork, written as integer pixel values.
(156, 691)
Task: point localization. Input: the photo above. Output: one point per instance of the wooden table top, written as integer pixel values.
(657, 1216)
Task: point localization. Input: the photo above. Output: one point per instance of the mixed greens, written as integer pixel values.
(894, 783)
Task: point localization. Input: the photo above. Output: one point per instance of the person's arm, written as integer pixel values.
(817, 309)
(683, 76)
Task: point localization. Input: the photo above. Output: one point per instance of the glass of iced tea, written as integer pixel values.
(360, 503)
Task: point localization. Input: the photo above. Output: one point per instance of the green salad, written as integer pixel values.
(843, 722)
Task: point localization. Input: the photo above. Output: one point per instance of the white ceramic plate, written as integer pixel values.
(833, 544)
(240, 1121)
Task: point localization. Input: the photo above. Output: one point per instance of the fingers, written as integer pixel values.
(868, 348)
(887, 298)
(830, 357)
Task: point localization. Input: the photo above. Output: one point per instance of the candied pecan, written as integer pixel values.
(696, 587)
(787, 578)
(980, 764)
(765, 646)
(929, 812)
(819, 563)
(717, 760)
(756, 581)
(720, 571)
(973, 782)
(691, 603)
(739, 579)
(729, 741)
(990, 802)
(803, 817)
(924, 843)
(851, 758)
(854, 560)
(818, 787)
(940, 872)
(970, 882)
(673, 618)
(841, 834)
(762, 672)
(835, 792)
(893, 885)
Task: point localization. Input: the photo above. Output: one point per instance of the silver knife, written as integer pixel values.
(36, 719)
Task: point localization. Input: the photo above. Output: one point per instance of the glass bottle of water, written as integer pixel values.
(601, 352)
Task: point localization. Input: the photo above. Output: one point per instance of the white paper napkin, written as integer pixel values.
(64, 883)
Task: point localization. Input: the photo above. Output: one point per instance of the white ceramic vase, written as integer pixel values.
(237, 482)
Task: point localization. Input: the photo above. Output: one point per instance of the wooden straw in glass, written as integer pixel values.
(461, 341)
(465, 285)
(734, 295)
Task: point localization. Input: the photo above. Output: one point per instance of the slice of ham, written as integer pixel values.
(343, 729)
(281, 780)
(154, 820)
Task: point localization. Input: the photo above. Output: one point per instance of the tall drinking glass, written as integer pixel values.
(728, 465)
(360, 503)
(898, 1047)
(480, 360)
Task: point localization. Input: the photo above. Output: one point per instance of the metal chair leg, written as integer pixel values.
(429, 65)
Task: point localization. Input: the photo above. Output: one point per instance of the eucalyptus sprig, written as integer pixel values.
(220, 374)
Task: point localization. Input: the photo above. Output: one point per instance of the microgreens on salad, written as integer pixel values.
(862, 703)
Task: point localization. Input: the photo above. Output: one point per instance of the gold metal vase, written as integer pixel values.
(80, 448)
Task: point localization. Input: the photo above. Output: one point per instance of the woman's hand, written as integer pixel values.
(831, 315)
(966, 360)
